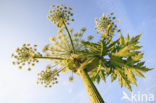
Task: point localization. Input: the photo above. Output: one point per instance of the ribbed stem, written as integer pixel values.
(93, 93)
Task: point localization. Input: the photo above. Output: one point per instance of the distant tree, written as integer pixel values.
(91, 60)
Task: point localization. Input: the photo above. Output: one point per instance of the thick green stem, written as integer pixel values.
(93, 93)
(71, 40)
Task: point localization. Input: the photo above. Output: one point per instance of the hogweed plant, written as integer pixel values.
(92, 61)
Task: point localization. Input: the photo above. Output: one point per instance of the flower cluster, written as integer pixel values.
(78, 38)
(25, 55)
(105, 25)
(59, 14)
(60, 48)
(46, 77)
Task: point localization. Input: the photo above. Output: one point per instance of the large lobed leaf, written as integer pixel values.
(121, 59)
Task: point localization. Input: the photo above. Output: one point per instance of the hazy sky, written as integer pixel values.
(25, 21)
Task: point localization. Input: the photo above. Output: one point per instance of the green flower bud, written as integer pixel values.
(119, 30)
(71, 79)
(90, 37)
(114, 18)
(20, 67)
(33, 64)
(29, 69)
(53, 6)
(13, 63)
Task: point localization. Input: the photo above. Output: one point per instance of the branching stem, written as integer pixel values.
(49, 58)
(69, 36)
(57, 72)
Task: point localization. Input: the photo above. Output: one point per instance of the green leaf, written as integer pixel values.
(120, 82)
(114, 77)
(138, 73)
(107, 70)
(125, 52)
(112, 45)
(127, 39)
(140, 64)
(130, 76)
(116, 61)
(143, 69)
(121, 40)
(135, 39)
(91, 46)
(102, 75)
(98, 79)
(123, 77)
(91, 64)
(138, 57)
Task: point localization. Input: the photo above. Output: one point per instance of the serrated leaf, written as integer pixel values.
(103, 75)
(98, 79)
(138, 73)
(107, 70)
(138, 57)
(120, 82)
(112, 44)
(135, 39)
(121, 40)
(140, 64)
(127, 39)
(131, 76)
(116, 61)
(113, 77)
(122, 76)
(143, 69)
(125, 52)
(92, 46)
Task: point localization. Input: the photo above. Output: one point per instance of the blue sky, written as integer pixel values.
(25, 21)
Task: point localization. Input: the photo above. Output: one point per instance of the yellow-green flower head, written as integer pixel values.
(80, 34)
(59, 14)
(59, 37)
(48, 67)
(83, 29)
(26, 54)
(52, 39)
(90, 37)
(20, 67)
(13, 63)
(45, 77)
(51, 48)
(75, 34)
(105, 25)
(71, 30)
(60, 30)
(29, 69)
(45, 48)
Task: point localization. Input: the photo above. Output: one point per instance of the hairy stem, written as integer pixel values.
(69, 36)
(93, 93)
